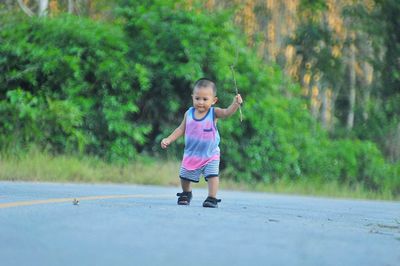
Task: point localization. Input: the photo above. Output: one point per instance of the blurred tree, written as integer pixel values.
(40, 5)
(385, 25)
(99, 9)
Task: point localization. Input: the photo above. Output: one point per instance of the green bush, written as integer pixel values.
(21, 113)
(67, 84)
(352, 163)
(31, 119)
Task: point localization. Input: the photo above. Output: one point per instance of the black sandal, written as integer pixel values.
(211, 202)
(184, 198)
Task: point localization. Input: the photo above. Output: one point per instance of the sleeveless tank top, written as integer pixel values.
(201, 140)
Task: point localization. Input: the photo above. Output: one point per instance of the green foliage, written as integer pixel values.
(19, 114)
(66, 83)
(313, 5)
(176, 47)
(271, 136)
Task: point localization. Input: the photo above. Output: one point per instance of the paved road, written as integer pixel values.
(142, 225)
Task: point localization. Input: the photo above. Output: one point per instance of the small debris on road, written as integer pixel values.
(75, 202)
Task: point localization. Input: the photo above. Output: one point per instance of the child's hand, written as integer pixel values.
(165, 143)
(238, 99)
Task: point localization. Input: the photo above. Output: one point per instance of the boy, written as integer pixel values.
(201, 154)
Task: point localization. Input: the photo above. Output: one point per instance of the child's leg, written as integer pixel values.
(186, 185)
(212, 201)
(213, 185)
(187, 177)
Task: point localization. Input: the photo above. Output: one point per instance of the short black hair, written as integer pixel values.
(205, 82)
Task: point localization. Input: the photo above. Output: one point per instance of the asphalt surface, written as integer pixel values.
(142, 225)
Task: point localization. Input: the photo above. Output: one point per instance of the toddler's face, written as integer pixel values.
(203, 99)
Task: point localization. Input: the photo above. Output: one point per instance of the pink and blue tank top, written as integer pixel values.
(201, 140)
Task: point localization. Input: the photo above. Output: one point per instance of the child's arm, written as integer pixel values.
(178, 132)
(226, 112)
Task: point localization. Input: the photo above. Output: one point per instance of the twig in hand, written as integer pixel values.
(237, 92)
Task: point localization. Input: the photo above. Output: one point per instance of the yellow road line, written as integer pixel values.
(61, 200)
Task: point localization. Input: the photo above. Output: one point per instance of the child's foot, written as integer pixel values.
(211, 202)
(184, 198)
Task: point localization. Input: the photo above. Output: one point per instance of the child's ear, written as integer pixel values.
(215, 100)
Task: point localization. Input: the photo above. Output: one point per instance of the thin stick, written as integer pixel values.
(237, 92)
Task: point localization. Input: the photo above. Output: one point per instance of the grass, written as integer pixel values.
(42, 167)
(39, 166)
(310, 188)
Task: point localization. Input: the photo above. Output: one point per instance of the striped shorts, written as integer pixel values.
(211, 169)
